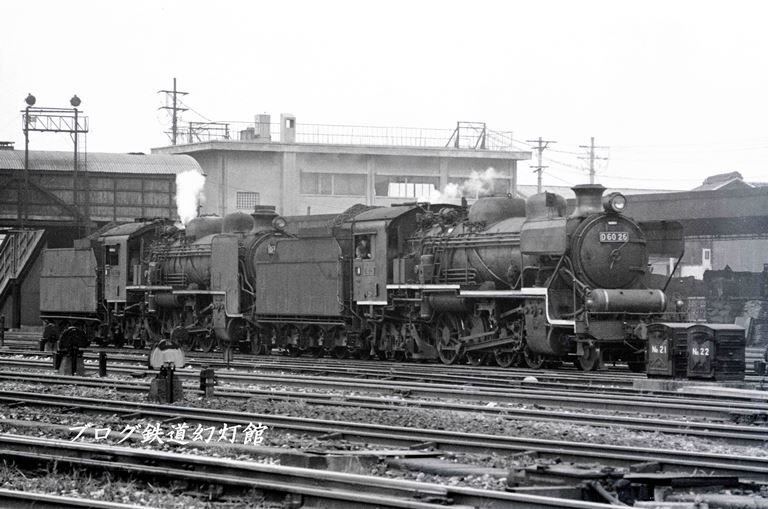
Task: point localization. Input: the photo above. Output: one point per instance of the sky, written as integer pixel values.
(674, 90)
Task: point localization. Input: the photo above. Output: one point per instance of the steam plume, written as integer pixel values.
(189, 194)
(478, 184)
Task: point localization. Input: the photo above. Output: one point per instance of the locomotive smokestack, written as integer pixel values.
(588, 199)
(263, 215)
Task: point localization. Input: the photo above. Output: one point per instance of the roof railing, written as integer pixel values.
(466, 135)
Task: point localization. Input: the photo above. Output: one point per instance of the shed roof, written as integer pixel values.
(526, 191)
(100, 162)
(732, 180)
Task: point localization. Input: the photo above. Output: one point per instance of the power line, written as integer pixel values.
(558, 178)
(592, 158)
(175, 108)
(541, 145)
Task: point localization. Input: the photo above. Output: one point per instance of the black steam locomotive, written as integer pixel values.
(506, 279)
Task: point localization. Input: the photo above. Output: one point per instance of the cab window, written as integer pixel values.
(364, 247)
(113, 255)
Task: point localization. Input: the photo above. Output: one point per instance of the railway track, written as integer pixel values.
(400, 371)
(548, 379)
(730, 433)
(616, 374)
(749, 467)
(597, 398)
(302, 486)
(24, 499)
(714, 408)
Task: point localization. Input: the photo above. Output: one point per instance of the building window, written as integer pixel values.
(247, 200)
(406, 186)
(340, 184)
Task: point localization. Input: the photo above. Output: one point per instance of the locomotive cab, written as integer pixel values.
(383, 252)
(369, 266)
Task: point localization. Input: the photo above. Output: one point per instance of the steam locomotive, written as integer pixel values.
(504, 280)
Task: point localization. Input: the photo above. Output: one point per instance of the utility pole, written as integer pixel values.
(592, 158)
(541, 145)
(172, 96)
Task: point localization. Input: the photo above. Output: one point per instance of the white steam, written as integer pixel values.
(478, 184)
(189, 194)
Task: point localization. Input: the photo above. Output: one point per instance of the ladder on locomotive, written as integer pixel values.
(439, 249)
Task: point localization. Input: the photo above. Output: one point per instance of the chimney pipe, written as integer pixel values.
(588, 199)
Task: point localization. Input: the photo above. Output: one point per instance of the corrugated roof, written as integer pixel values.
(526, 191)
(100, 162)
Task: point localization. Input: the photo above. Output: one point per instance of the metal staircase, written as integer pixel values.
(19, 249)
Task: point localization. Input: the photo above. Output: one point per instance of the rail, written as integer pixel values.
(312, 487)
(752, 467)
(732, 433)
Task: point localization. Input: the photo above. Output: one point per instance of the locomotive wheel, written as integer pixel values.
(118, 339)
(292, 340)
(207, 341)
(589, 360)
(247, 347)
(447, 339)
(340, 352)
(180, 337)
(254, 346)
(396, 356)
(363, 349)
(73, 337)
(266, 339)
(505, 358)
(532, 360)
(478, 358)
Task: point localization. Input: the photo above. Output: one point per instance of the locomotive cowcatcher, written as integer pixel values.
(505, 280)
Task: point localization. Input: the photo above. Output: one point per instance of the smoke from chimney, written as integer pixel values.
(189, 194)
(478, 184)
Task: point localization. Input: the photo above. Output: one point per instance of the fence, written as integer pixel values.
(465, 135)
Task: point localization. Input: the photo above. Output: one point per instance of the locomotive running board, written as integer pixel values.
(423, 287)
(198, 292)
(525, 293)
(508, 294)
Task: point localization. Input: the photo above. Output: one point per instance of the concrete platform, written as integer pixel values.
(739, 390)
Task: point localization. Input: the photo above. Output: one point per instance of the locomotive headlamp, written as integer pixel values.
(614, 202)
(279, 223)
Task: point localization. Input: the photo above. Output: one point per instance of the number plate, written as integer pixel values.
(614, 236)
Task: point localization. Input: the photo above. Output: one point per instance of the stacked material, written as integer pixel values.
(724, 309)
(755, 321)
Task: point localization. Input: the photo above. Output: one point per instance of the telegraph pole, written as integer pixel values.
(541, 145)
(592, 158)
(172, 97)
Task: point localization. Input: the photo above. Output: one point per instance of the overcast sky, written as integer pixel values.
(677, 90)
